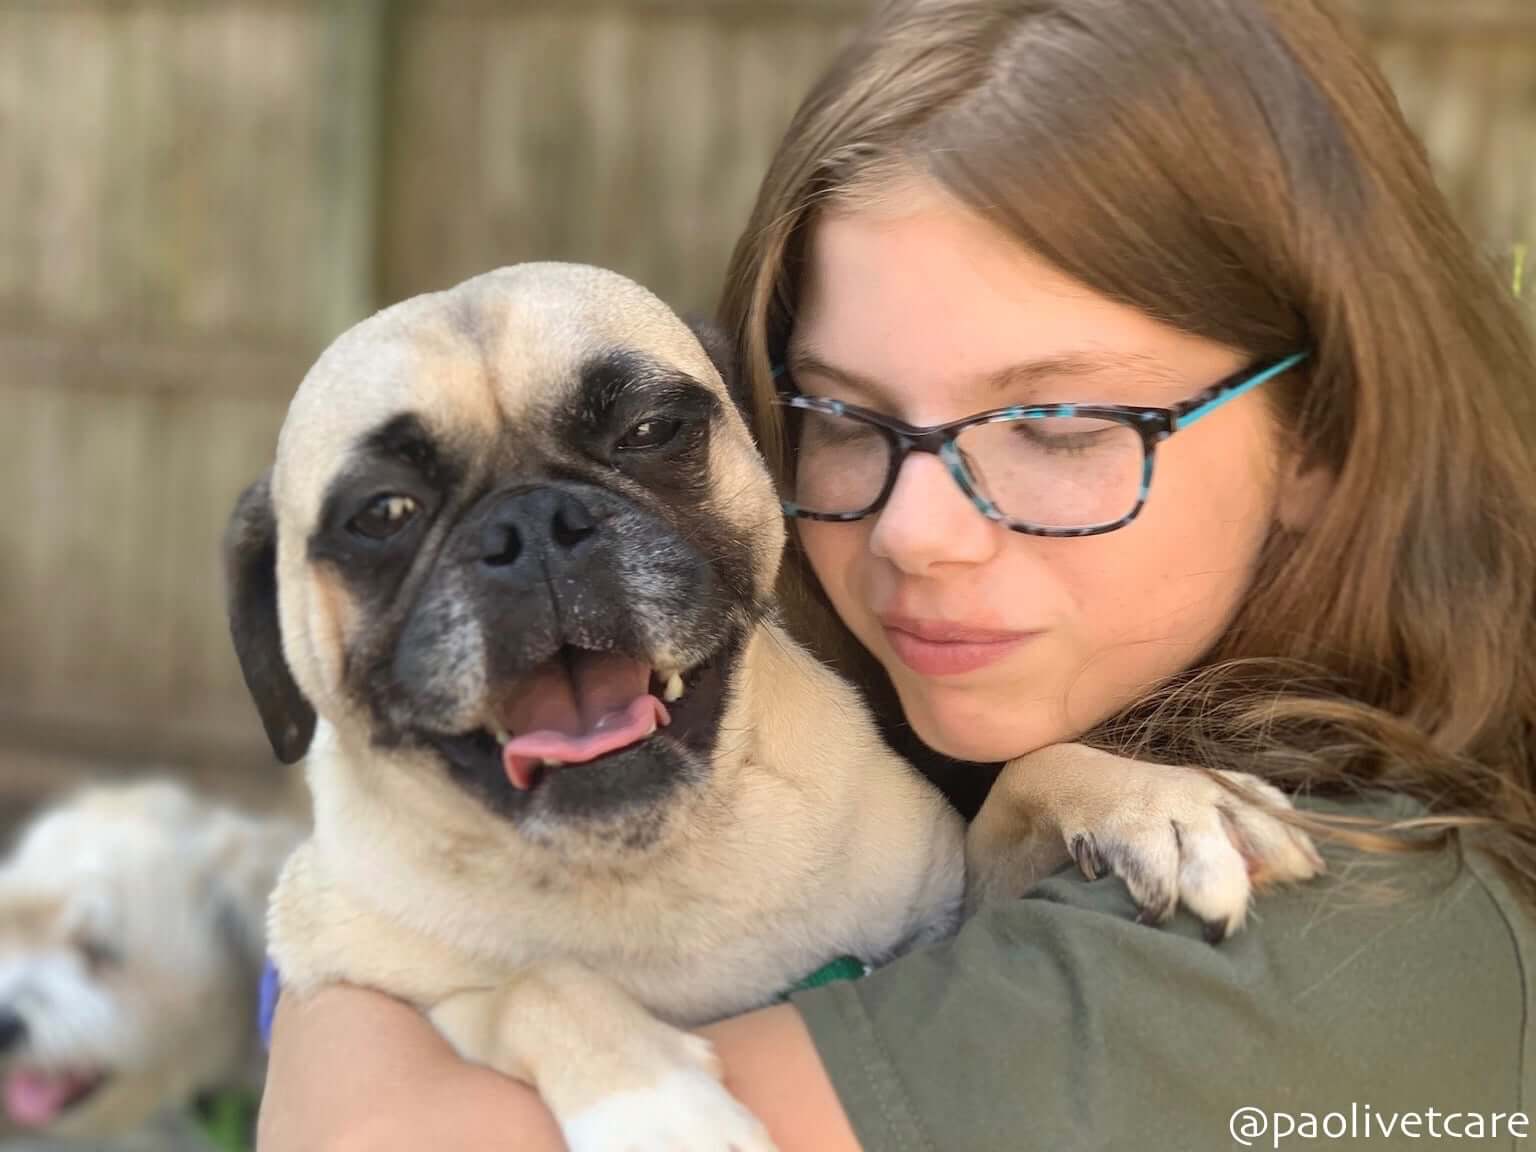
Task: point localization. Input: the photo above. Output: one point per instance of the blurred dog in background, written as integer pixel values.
(131, 942)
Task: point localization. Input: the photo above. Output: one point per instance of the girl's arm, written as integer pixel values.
(1052, 1021)
(354, 1071)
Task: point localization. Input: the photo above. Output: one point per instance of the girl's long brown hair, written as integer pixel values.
(1238, 169)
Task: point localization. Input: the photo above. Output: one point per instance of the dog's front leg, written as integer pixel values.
(1173, 834)
(616, 1078)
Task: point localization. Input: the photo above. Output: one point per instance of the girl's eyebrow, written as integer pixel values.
(1023, 377)
(804, 362)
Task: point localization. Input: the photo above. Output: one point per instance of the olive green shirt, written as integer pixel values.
(1395, 985)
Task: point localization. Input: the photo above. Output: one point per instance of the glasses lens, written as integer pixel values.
(1056, 471)
(840, 463)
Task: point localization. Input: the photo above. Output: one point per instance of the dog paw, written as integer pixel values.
(616, 1078)
(1189, 839)
(687, 1110)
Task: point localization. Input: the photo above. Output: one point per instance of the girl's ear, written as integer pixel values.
(1304, 489)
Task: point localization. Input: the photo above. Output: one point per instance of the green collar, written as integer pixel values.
(843, 968)
(228, 1118)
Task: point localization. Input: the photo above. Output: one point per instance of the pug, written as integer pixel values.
(510, 587)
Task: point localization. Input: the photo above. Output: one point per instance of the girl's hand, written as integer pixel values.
(354, 1070)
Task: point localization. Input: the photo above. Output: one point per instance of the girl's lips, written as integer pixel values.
(938, 648)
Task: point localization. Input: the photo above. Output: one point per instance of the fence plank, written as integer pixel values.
(622, 135)
(110, 586)
(187, 214)
(189, 167)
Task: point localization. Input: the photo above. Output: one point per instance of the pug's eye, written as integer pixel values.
(385, 517)
(652, 433)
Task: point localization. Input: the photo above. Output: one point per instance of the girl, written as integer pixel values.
(1256, 488)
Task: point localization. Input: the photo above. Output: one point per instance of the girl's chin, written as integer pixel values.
(981, 736)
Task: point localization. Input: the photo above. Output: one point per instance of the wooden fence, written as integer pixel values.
(195, 197)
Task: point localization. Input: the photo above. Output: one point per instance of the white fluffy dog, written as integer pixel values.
(131, 937)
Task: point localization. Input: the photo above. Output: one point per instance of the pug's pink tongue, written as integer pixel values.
(522, 755)
(597, 706)
(35, 1099)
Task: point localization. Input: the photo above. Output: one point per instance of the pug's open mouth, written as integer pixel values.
(581, 707)
(36, 1098)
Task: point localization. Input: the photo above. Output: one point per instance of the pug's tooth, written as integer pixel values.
(501, 734)
(674, 689)
(548, 762)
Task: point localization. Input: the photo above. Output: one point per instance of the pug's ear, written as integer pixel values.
(250, 576)
(721, 350)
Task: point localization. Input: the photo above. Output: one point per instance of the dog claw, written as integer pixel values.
(1086, 853)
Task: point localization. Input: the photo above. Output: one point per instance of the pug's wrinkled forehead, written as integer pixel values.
(507, 353)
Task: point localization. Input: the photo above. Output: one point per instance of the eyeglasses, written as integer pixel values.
(1047, 470)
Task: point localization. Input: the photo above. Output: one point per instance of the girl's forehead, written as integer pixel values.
(938, 306)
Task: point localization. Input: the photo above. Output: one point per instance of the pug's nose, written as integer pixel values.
(13, 1030)
(547, 524)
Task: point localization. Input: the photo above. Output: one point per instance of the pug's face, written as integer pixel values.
(519, 529)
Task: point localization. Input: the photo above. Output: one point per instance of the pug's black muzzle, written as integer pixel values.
(548, 575)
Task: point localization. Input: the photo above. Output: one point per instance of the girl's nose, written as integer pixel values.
(929, 520)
